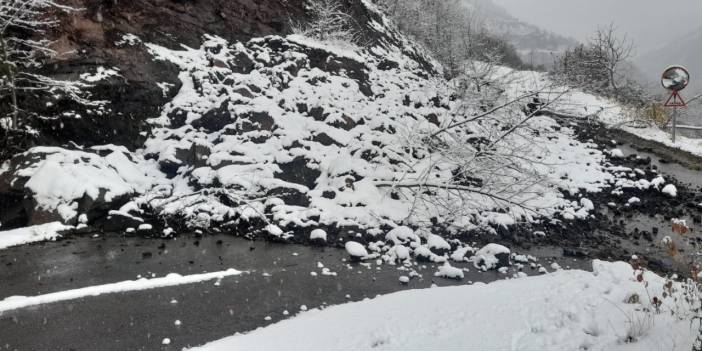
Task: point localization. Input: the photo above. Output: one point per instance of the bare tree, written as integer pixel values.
(489, 153)
(611, 51)
(24, 47)
(600, 66)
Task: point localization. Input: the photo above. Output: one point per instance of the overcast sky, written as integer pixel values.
(647, 22)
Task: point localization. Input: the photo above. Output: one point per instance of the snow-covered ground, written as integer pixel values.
(607, 309)
(611, 113)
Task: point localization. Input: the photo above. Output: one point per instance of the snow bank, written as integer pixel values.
(27, 235)
(15, 302)
(564, 310)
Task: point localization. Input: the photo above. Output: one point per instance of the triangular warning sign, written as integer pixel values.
(675, 100)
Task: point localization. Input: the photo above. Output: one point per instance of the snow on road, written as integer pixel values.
(15, 302)
(565, 310)
(31, 234)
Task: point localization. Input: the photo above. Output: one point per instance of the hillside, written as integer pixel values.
(535, 45)
(277, 135)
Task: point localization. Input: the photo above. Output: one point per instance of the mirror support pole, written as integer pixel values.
(675, 123)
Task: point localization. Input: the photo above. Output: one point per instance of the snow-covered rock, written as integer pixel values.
(670, 189)
(462, 253)
(61, 183)
(616, 153)
(424, 254)
(491, 256)
(356, 250)
(437, 244)
(448, 271)
(319, 235)
(398, 253)
(402, 235)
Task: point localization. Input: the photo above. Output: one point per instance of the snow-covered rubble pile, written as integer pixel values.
(299, 131)
(310, 135)
(406, 247)
(64, 184)
(607, 309)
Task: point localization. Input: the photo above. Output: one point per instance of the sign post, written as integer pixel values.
(675, 79)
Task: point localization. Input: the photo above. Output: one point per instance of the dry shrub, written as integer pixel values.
(657, 114)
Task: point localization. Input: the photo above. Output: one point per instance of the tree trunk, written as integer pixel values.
(13, 89)
(611, 80)
(15, 109)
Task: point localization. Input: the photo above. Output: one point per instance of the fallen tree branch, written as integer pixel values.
(475, 118)
(384, 184)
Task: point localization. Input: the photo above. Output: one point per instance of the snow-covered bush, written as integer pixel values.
(330, 22)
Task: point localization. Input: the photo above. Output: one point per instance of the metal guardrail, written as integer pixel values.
(682, 126)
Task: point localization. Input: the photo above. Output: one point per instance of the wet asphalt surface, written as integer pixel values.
(278, 278)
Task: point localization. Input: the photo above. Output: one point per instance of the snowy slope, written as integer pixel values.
(561, 311)
(313, 134)
(614, 115)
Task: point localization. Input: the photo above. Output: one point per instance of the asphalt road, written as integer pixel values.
(278, 278)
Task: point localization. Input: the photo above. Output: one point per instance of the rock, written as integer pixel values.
(298, 171)
(318, 114)
(215, 119)
(573, 252)
(196, 155)
(616, 153)
(387, 65)
(119, 222)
